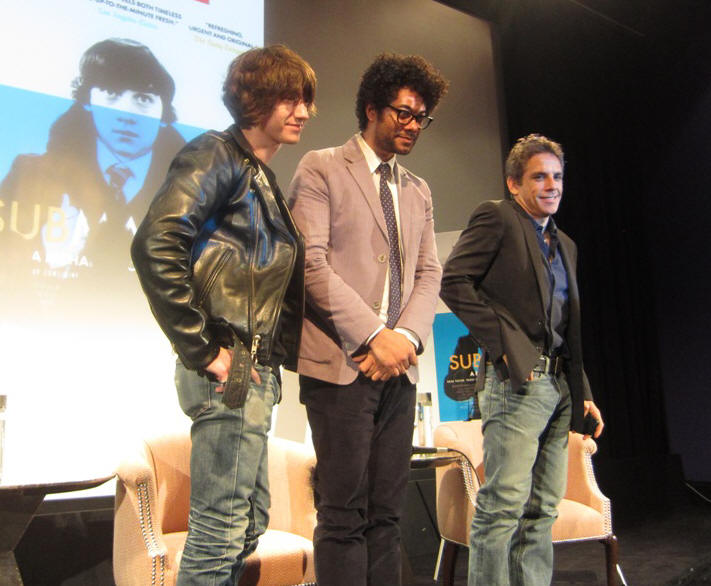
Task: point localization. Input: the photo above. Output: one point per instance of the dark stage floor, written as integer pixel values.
(671, 547)
(664, 546)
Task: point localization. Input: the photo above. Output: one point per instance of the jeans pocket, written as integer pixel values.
(194, 393)
(270, 380)
(493, 397)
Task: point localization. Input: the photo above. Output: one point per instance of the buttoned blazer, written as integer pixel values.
(495, 280)
(337, 208)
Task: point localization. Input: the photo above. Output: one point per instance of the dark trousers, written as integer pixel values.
(362, 435)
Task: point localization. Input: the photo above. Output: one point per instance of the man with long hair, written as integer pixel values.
(221, 263)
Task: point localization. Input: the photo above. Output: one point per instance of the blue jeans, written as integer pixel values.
(525, 469)
(229, 498)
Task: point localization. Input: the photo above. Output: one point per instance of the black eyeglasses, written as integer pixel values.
(404, 117)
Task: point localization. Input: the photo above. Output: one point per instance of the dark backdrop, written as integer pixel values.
(626, 88)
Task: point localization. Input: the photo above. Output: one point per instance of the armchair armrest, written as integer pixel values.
(582, 485)
(134, 472)
(139, 548)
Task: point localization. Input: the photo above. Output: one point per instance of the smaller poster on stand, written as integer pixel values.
(457, 361)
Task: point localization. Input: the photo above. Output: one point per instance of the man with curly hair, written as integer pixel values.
(372, 279)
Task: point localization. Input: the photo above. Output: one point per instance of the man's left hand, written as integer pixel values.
(590, 407)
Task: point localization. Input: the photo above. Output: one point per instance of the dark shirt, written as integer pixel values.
(557, 306)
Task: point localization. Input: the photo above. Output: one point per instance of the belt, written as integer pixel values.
(547, 365)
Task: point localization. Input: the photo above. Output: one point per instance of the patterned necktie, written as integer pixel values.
(118, 175)
(386, 200)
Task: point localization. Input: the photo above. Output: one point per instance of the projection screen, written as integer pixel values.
(92, 91)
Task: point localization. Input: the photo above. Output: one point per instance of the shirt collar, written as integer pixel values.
(372, 160)
(542, 223)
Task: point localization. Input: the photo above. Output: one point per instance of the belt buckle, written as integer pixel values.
(547, 364)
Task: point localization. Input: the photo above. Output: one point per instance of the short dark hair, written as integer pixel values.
(121, 64)
(388, 74)
(259, 78)
(525, 148)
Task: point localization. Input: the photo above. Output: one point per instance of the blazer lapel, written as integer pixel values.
(536, 256)
(358, 168)
(405, 205)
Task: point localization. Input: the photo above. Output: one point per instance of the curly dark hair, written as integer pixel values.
(525, 148)
(388, 74)
(259, 78)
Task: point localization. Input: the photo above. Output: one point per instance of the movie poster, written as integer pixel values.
(96, 97)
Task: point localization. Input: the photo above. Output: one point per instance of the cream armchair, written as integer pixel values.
(584, 513)
(151, 516)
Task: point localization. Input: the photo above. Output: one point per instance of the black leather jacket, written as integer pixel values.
(220, 258)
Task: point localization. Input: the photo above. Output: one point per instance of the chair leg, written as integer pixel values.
(610, 544)
(449, 562)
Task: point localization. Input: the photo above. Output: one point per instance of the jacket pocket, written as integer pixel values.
(205, 283)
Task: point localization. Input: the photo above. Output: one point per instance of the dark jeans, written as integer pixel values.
(362, 435)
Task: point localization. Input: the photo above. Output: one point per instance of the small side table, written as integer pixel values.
(18, 504)
(422, 459)
(427, 457)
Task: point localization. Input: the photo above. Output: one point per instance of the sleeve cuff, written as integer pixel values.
(410, 336)
(369, 339)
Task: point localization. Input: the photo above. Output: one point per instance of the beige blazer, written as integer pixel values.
(337, 208)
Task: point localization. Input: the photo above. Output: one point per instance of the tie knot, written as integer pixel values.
(118, 175)
(384, 170)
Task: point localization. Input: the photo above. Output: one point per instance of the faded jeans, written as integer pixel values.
(525, 469)
(229, 499)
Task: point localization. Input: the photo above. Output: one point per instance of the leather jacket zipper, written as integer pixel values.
(252, 267)
(285, 233)
(292, 263)
(255, 348)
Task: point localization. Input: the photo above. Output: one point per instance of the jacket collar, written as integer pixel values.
(534, 252)
(236, 133)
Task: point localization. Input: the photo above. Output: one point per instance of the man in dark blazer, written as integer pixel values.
(372, 278)
(511, 279)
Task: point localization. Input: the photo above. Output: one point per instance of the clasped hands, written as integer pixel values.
(389, 354)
